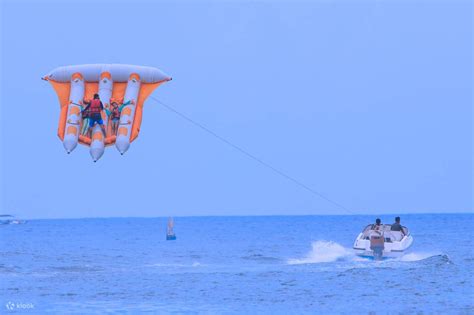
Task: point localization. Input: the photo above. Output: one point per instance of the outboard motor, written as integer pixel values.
(377, 245)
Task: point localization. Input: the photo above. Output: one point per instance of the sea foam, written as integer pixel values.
(323, 252)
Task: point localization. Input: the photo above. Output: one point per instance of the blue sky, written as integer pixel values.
(367, 102)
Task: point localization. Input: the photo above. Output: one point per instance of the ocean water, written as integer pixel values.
(233, 265)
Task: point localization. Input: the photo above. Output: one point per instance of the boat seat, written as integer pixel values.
(396, 235)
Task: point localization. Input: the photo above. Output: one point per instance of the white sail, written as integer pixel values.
(170, 226)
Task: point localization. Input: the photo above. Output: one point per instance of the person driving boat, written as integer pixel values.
(397, 226)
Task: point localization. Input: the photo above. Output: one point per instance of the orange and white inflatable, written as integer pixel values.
(130, 84)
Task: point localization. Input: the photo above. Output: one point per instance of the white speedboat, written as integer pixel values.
(383, 243)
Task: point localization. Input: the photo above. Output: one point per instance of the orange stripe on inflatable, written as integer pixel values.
(71, 130)
(110, 140)
(145, 90)
(74, 110)
(118, 91)
(90, 89)
(134, 76)
(98, 136)
(62, 90)
(122, 131)
(84, 140)
(77, 75)
(127, 111)
(62, 122)
(137, 122)
(105, 74)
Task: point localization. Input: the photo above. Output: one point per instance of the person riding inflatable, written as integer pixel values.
(95, 108)
(85, 121)
(114, 112)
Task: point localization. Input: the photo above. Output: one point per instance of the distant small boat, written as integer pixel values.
(170, 236)
(4, 218)
(17, 222)
(8, 219)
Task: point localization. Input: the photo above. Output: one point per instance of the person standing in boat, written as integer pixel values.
(377, 239)
(378, 227)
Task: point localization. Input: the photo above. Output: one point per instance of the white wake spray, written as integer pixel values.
(322, 252)
(418, 256)
(328, 251)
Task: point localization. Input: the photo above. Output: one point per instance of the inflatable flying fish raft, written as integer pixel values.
(125, 83)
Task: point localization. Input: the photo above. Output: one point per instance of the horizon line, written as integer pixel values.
(243, 215)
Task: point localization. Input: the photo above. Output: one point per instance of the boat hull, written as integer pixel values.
(385, 254)
(393, 249)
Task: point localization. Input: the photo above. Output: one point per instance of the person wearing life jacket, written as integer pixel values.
(114, 112)
(95, 108)
(85, 122)
(378, 227)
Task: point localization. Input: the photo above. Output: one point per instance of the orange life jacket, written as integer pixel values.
(115, 112)
(95, 107)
